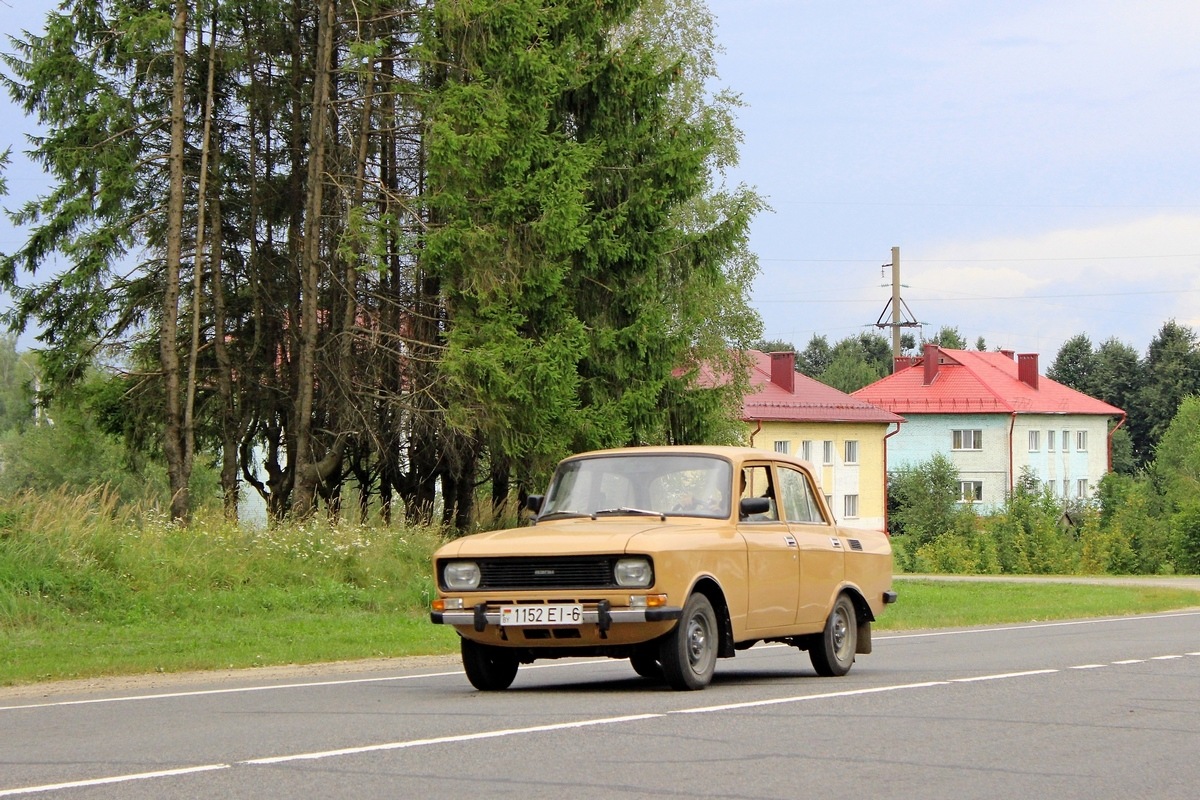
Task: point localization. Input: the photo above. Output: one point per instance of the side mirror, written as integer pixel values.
(753, 505)
(534, 502)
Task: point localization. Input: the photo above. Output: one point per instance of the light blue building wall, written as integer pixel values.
(983, 460)
(995, 447)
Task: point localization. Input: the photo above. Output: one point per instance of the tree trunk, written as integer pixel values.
(175, 449)
(307, 475)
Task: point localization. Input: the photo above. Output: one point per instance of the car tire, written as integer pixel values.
(832, 651)
(488, 668)
(645, 663)
(688, 654)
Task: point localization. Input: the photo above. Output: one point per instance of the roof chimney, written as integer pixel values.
(783, 371)
(1027, 369)
(1009, 354)
(933, 357)
(903, 362)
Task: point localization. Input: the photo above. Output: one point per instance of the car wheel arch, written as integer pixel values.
(864, 616)
(709, 587)
(861, 607)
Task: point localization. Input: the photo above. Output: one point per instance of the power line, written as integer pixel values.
(975, 260)
(1068, 296)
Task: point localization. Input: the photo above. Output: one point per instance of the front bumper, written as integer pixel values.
(602, 615)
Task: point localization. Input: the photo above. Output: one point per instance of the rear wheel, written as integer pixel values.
(688, 654)
(832, 652)
(488, 668)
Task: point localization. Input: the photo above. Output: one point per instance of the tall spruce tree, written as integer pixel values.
(401, 240)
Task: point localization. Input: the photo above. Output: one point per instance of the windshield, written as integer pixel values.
(675, 485)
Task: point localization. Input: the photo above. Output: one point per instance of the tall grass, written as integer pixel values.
(85, 569)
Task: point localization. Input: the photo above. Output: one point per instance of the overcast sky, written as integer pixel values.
(1037, 163)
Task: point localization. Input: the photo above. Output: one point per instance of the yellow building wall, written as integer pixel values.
(865, 480)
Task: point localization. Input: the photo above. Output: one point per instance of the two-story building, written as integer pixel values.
(845, 438)
(995, 416)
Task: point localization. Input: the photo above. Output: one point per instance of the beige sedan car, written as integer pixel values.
(671, 557)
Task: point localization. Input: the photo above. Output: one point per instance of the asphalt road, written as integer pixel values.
(1083, 709)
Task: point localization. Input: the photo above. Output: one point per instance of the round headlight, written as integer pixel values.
(633, 573)
(461, 575)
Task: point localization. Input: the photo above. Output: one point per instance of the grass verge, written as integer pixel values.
(217, 639)
(955, 604)
(88, 590)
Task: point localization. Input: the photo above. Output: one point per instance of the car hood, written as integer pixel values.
(582, 536)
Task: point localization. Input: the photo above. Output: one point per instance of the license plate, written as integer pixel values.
(541, 615)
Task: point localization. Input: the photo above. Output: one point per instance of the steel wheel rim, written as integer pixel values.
(841, 633)
(697, 642)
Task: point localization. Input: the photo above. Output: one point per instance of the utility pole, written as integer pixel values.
(902, 317)
(895, 303)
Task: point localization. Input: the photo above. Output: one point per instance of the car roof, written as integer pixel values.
(732, 453)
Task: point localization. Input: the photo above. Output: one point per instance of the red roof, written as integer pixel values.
(943, 381)
(806, 400)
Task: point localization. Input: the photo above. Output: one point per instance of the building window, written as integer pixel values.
(1081, 487)
(851, 451)
(1081, 441)
(1049, 441)
(783, 447)
(806, 450)
(970, 491)
(851, 506)
(1066, 442)
(828, 454)
(1035, 441)
(968, 440)
(829, 501)
(1066, 488)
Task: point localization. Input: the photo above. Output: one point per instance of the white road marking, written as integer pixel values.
(1131, 661)
(140, 776)
(278, 686)
(1004, 676)
(464, 737)
(558, 665)
(805, 697)
(1032, 626)
(467, 737)
(1090, 666)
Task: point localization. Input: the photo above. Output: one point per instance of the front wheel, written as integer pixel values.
(688, 654)
(488, 668)
(832, 652)
(645, 663)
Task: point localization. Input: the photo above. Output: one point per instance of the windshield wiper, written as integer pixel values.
(638, 512)
(564, 515)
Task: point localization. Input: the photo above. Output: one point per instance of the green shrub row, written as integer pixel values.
(1134, 532)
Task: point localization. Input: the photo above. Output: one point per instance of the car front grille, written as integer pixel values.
(557, 572)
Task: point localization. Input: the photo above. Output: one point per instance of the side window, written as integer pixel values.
(756, 482)
(799, 498)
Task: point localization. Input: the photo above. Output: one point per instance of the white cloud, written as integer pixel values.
(1120, 280)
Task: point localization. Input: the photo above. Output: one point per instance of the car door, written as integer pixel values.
(773, 565)
(820, 549)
